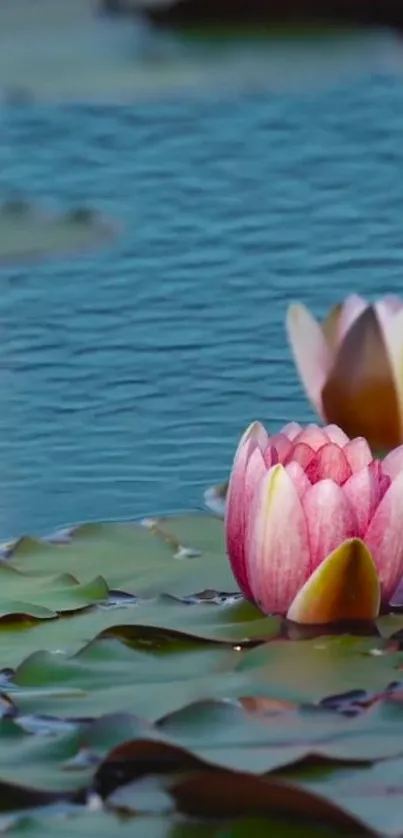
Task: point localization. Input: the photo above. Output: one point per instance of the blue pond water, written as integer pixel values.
(127, 375)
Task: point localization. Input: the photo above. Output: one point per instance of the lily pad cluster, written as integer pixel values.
(141, 693)
(29, 232)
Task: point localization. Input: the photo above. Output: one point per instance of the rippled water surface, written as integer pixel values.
(127, 375)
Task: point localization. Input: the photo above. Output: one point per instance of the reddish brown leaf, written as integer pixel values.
(229, 794)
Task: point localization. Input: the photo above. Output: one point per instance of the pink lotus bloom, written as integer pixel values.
(351, 366)
(314, 525)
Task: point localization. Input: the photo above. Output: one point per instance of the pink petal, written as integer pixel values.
(330, 519)
(270, 456)
(255, 470)
(277, 553)
(310, 350)
(393, 462)
(353, 307)
(312, 435)
(329, 462)
(383, 479)
(365, 490)
(298, 476)
(384, 538)
(387, 308)
(291, 430)
(301, 454)
(283, 446)
(392, 303)
(234, 521)
(257, 432)
(335, 434)
(397, 597)
(358, 453)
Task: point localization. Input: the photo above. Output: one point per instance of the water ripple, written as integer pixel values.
(127, 376)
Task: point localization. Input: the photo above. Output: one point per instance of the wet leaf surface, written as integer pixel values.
(140, 691)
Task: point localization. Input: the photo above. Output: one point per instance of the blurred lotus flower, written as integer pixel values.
(314, 525)
(351, 366)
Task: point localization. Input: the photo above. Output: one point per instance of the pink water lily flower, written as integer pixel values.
(314, 525)
(351, 366)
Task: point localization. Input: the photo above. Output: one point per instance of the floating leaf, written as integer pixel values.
(27, 231)
(43, 596)
(137, 559)
(150, 669)
(225, 794)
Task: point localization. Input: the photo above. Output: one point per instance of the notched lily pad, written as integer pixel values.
(179, 556)
(151, 673)
(42, 597)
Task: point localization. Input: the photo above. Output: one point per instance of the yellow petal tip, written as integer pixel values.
(345, 586)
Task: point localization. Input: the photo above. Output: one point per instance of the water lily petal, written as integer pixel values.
(358, 453)
(387, 308)
(283, 446)
(257, 432)
(360, 393)
(312, 435)
(235, 511)
(392, 330)
(392, 303)
(311, 352)
(291, 430)
(393, 462)
(396, 600)
(255, 469)
(383, 480)
(329, 462)
(344, 587)
(302, 454)
(329, 517)
(335, 434)
(298, 476)
(384, 538)
(331, 328)
(278, 554)
(365, 490)
(270, 456)
(352, 307)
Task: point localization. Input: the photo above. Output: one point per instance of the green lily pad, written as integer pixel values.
(96, 825)
(238, 624)
(374, 795)
(107, 825)
(312, 669)
(41, 754)
(45, 596)
(107, 677)
(28, 232)
(141, 560)
(133, 670)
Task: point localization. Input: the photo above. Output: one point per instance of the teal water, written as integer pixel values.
(127, 375)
